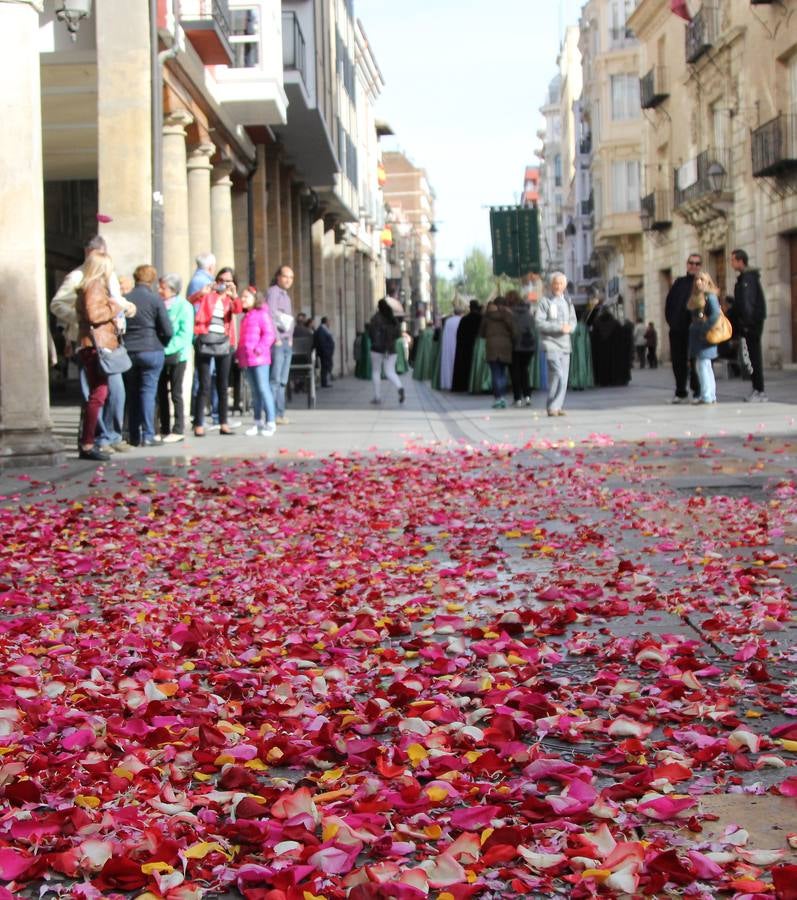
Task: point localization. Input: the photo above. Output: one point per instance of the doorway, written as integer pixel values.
(716, 268)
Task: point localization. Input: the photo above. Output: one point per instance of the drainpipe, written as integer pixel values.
(250, 225)
(156, 64)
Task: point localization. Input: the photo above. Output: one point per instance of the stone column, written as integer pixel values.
(199, 169)
(317, 307)
(124, 131)
(176, 242)
(260, 203)
(25, 428)
(221, 230)
(273, 217)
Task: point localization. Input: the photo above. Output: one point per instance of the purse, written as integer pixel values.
(213, 344)
(720, 331)
(112, 362)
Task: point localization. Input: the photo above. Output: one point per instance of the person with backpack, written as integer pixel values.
(750, 310)
(523, 346)
(383, 332)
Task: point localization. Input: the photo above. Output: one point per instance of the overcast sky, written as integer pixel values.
(464, 83)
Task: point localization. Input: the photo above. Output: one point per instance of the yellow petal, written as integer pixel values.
(121, 772)
(417, 753)
(485, 834)
(257, 764)
(149, 868)
(201, 850)
(432, 831)
(791, 746)
(436, 794)
(597, 874)
(86, 801)
(331, 775)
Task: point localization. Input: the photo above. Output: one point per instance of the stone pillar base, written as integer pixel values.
(24, 447)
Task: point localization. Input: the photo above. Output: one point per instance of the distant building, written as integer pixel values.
(531, 186)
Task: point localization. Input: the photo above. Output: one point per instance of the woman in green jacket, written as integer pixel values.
(177, 353)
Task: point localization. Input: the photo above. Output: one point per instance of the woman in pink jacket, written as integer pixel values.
(254, 357)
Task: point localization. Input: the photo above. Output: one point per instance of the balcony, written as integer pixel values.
(702, 32)
(587, 207)
(653, 88)
(774, 146)
(613, 286)
(294, 49)
(251, 87)
(620, 37)
(585, 145)
(590, 273)
(206, 24)
(655, 211)
(704, 176)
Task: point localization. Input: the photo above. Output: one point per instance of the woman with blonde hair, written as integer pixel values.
(96, 314)
(704, 307)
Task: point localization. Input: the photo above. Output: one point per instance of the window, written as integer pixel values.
(625, 97)
(245, 37)
(792, 82)
(557, 170)
(625, 186)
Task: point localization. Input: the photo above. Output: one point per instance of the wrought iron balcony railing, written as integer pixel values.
(708, 173)
(653, 88)
(613, 286)
(590, 272)
(207, 25)
(702, 32)
(587, 206)
(655, 211)
(585, 145)
(774, 146)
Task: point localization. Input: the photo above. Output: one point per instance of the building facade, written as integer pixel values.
(612, 119)
(720, 151)
(242, 127)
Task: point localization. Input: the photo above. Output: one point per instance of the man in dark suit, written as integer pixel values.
(750, 311)
(678, 319)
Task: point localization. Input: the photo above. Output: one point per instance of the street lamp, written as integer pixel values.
(717, 177)
(71, 12)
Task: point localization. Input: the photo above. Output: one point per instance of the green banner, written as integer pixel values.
(515, 233)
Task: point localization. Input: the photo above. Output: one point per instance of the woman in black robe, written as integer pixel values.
(467, 333)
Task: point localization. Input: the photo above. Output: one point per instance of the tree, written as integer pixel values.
(479, 281)
(446, 289)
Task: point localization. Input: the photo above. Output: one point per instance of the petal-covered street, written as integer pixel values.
(451, 672)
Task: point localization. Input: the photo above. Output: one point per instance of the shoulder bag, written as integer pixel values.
(213, 344)
(112, 362)
(720, 331)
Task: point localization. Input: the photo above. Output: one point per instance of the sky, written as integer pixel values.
(464, 81)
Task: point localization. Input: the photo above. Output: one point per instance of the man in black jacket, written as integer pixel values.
(679, 318)
(750, 310)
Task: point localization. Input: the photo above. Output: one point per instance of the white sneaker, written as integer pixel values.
(518, 404)
(678, 399)
(234, 423)
(255, 429)
(757, 397)
(172, 438)
(269, 429)
(527, 401)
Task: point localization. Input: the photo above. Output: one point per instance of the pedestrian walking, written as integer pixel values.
(279, 303)
(384, 331)
(215, 306)
(556, 321)
(750, 312)
(652, 343)
(678, 321)
(498, 330)
(523, 346)
(148, 332)
(95, 317)
(254, 357)
(325, 347)
(704, 309)
(640, 344)
(175, 359)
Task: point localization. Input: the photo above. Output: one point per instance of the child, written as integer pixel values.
(254, 357)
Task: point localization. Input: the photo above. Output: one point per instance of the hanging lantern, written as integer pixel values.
(386, 237)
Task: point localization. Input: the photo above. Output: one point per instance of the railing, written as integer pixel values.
(706, 174)
(774, 146)
(613, 287)
(655, 211)
(294, 53)
(702, 32)
(217, 11)
(586, 207)
(585, 145)
(653, 88)
(590, 272)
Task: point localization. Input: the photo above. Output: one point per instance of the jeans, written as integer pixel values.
(389, 360)
(681, 368)
(558, 374)
(752, 337)
(203, 367)
(521, 386)
(498, 377)
(112, 415)
(141, 383)
(281, 356)
(708, 385)
(214, 394)
(96, 395)
(326, 369)
(171, 383)
(262, 398)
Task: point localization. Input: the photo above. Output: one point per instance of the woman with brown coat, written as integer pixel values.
(96, 312)
(498, 330)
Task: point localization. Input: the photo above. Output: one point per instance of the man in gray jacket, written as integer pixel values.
(556, 321)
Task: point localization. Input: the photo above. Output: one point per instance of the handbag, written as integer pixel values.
(213, 344)
(720, 331)
(112, 362)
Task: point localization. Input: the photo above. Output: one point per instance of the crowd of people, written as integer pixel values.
(133, 341)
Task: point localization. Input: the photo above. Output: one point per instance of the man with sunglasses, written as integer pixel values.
(678, 318)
